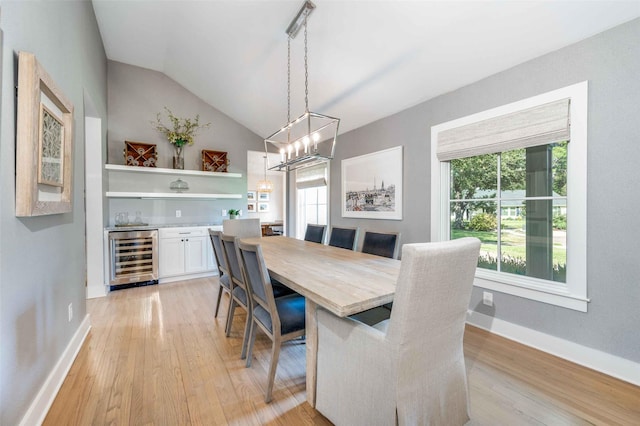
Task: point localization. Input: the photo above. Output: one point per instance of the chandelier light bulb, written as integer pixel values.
(305, 141)
(289, 149)
(316, 137)
(282, 155)
(297, 145)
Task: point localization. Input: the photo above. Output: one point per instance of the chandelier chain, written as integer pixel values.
(289, 79)
(306, 66)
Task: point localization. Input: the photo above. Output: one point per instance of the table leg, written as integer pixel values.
(311, 331)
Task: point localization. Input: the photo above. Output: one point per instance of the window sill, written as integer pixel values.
(530, 288)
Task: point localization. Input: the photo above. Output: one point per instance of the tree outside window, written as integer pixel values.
(515, 203)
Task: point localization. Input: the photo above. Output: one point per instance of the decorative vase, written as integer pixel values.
(233, 216)
(178, 159)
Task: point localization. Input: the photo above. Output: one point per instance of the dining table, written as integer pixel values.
(342, 281)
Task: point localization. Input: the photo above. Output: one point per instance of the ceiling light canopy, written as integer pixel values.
(310, 138)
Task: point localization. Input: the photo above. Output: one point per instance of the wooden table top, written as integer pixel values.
(342, 281)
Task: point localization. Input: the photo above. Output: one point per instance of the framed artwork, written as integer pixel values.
(50, 148)
(251, 207)
(251, 195)
(263, 207)
(263, 196)
(44, 142)
(372, 185)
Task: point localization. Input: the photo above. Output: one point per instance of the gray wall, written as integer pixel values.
(136, 95)
(42, 259)
(611, 63)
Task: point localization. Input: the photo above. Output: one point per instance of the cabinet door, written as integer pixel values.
(195, 254)
(171, 257)
(211, 260)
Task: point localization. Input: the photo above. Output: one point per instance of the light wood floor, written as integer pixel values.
(155, 355)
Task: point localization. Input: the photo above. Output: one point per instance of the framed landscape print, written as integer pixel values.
(372, 185)
(251, 196)
(44, 142)
(263, 196)
(263, 207)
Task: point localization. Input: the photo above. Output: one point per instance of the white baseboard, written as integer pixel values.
(42, 402)
(187, 277)
(603, 362)
(96, 290)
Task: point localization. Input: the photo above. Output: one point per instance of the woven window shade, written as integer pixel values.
(535, 126)
(311, 177)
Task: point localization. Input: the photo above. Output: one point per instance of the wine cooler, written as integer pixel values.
(134, 256)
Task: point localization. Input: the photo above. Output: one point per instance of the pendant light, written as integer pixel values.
(265, 184)
(311, 138)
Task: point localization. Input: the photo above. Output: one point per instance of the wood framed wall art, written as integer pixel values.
(214, 161)
(44, 142)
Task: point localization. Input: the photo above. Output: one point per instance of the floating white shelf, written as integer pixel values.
(169, 195)
(158, 170)
(149, 171)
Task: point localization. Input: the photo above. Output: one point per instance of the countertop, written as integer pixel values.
(134, 227)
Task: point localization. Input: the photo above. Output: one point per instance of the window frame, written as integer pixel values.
(299, 228)
(573, 293)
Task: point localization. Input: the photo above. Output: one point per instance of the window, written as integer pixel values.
(515, 203)
(312, 201)
(515, 177)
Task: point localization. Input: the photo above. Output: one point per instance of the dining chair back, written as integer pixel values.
(224, 279)
(281, 319)
(239, 293)
(381, 243)
(315, 233)
(412, 365)
(346, 238)
(243, 228)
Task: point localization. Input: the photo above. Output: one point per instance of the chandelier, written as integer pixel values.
(265, 184)
(310, 138)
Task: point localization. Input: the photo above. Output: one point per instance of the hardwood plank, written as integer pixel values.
(156, 355)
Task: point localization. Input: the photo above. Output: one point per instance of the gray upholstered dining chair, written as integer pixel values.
(243, 228)
(381, 243)
(315, 233)
(409, 369)
(346, 238)
(223, 272)
(281, 319)
(239, 293)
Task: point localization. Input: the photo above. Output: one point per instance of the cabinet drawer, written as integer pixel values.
(182, 232)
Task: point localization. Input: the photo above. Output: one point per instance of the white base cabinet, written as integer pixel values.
(185, 253)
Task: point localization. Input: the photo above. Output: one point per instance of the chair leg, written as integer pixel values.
(252, 340)
(275, 354)
(247, 327)
(230, 312)
(215, 315)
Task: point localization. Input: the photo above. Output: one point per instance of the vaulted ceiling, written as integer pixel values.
(367, 59)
